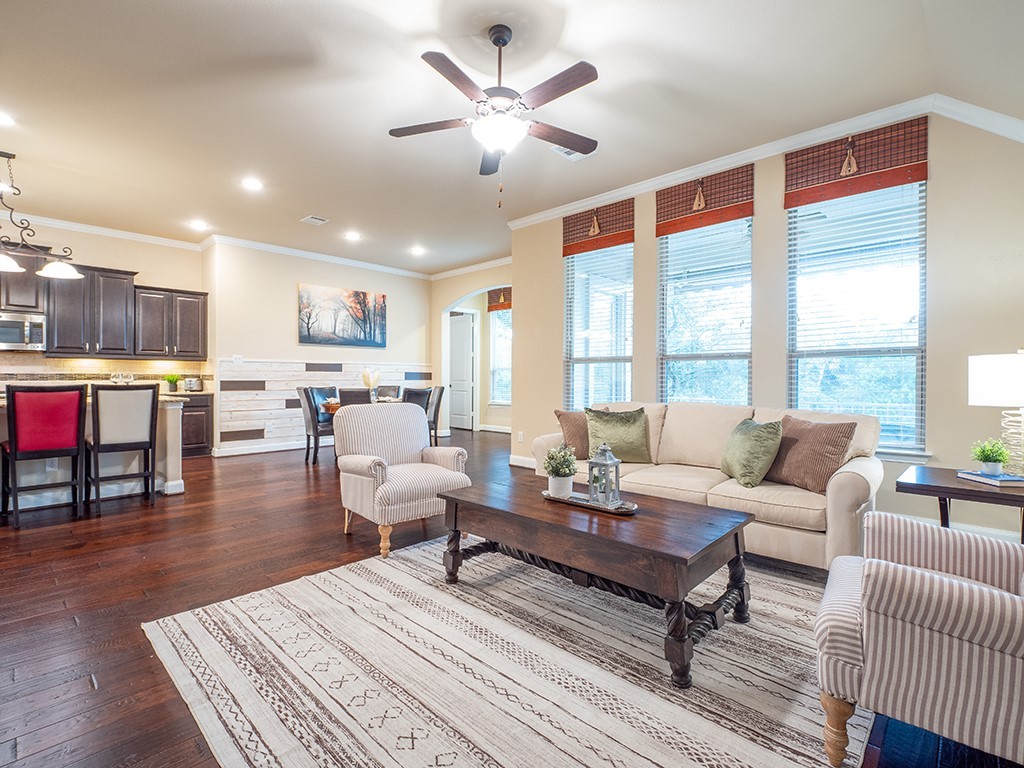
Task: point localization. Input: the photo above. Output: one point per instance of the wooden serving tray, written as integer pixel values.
(624, 509)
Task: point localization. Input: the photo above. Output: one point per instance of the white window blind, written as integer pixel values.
(598, 327)
(501, 356)
(704, 314)
(857, 309)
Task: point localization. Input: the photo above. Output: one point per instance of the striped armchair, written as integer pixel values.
(927, 628)
(389, 471)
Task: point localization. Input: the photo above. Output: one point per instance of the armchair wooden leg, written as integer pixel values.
(837, 712)
(348, 521)
(385, 539)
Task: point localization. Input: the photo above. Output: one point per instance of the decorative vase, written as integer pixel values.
(991, 468)
(560, 486)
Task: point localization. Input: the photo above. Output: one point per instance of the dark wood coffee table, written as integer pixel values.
(654, 557)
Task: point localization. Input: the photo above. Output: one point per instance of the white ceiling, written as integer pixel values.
(142, 115)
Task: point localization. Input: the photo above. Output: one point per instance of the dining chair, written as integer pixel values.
(123, 419)
(390, 391)
(316, 420)
(43, 423)
(354, 396)
(434, 412)
(419, 396)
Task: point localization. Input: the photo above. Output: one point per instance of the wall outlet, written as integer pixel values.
(520, 437)
(51, 465)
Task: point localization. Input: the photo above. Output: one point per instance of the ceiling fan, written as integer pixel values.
(499, 125)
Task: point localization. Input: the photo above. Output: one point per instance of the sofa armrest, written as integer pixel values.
(373, 467)
(850, 491)
(900, 539)
(452, 458)
(540, 447)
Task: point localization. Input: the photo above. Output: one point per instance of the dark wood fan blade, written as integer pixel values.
(489, 163)
(440, 125)
(451, 72)
(574, 77)
(563, 138)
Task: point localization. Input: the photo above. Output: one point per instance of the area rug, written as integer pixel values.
(380, 663)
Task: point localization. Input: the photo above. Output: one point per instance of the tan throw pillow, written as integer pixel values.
(624, 431)
(750, 451)
(810, 452)
(574, 432)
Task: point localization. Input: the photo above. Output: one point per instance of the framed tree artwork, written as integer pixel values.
(342, 317)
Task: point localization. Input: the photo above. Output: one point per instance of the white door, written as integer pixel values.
(463, 367)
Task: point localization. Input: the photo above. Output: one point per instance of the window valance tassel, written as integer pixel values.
(850, 164)
(698, 201)
(595, 228)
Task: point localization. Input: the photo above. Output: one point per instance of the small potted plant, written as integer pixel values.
(172, 380)
(992, 454)
(560, 464)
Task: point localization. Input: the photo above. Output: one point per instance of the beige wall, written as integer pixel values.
(975, 270)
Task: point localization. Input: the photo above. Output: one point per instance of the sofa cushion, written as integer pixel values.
(674, 481)
(574, 431)
(655, 413)
(625, 468)
(865, 436)
(750, 451)
(810, 452)
(625, 432)
(696, 433)
(772, 503)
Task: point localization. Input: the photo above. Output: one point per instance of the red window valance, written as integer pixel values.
(499, 298)
(708, 200)
(598, 228)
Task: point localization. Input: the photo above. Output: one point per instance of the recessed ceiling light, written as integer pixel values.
(5, 119)
(198, 225)
(417, 250)
(252, 183)
(352, 236)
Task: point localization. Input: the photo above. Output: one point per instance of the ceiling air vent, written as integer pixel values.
(568, 154)
(316, 221)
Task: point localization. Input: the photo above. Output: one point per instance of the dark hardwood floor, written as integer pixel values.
(79, 683)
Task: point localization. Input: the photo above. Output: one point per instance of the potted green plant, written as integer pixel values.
(992, 454)
(560, 464)
(172, 380)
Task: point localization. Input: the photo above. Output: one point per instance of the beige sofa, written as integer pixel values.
(686, 443)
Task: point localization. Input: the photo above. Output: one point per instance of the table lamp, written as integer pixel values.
(998, 380)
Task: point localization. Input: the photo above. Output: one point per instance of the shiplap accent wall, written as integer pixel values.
(258, 408)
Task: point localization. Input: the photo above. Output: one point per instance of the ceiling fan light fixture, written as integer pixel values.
(499, 131)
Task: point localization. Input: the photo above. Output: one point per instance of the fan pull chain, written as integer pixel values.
(501, 183)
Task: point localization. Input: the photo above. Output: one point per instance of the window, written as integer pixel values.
(856, 309)
(704, 314)
(598, 327)
(501, 356)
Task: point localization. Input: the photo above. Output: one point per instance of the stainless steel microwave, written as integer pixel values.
(22, 331)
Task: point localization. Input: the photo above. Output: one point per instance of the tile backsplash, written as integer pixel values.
(23, 367)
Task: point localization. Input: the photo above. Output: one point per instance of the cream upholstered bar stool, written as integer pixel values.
(927, 628)
(123, 420)
(389, 471)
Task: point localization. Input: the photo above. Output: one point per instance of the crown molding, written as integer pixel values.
(936, 103)
(472, 268)
(90, 229)
(285, 251)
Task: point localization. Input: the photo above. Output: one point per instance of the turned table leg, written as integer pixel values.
(453, 557)
(837, 712)
(678, 646)
(738, 581)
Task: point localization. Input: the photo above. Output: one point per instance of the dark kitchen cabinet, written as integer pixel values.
(170, 324)
(24, 291)
(197, 425)
(92, 317)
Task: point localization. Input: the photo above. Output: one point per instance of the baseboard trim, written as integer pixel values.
(495, 428)
(527, 462)
(243, 450)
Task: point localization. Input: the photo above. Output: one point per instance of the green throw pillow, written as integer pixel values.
(624, 431)
(750, 451)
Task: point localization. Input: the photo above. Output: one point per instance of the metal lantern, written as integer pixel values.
(603, 477)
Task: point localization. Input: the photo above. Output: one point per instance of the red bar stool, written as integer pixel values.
(123, 419)
(43, 423)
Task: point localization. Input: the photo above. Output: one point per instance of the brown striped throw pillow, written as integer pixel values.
(810, 452)
(574, 432)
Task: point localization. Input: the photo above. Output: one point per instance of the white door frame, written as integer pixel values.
(446, 369)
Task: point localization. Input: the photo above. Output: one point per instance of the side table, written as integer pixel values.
(943, 483)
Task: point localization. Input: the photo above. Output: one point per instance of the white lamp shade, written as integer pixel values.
(499, 131)
(60, 270)
(7, 264)
(996, 380)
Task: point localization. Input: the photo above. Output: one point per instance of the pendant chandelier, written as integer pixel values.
(57, 267)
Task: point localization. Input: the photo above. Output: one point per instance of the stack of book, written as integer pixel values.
(1003, 481)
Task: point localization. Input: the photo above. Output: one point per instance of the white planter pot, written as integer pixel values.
(991, 468)
(560, 486)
